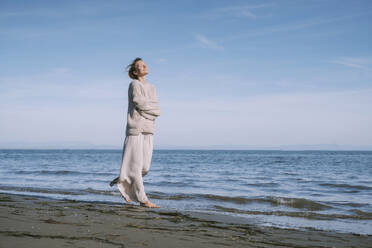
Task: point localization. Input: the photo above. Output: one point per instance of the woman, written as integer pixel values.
(143, 109)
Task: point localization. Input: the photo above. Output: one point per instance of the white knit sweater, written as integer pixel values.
(143, 108)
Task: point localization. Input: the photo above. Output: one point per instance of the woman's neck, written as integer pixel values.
(142, 79)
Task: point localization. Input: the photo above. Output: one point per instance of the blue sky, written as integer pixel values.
(246, 74)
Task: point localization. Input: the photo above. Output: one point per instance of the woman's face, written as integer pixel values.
(141, 68)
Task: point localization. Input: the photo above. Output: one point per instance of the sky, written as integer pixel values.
(228, 74)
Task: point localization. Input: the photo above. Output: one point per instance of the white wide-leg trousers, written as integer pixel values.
(136, 160)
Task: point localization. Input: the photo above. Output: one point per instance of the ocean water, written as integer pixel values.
(327, 190)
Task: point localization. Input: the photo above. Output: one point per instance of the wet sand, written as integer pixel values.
(27, 221)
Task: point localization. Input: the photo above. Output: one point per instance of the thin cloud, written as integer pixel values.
(72, 9)
(244, 11)
(292, 27)
(359, 63)
(205, 42)
(161, 61)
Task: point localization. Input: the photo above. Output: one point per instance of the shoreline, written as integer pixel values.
(31, 221)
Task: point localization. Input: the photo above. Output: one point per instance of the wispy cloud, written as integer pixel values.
(161, 60)
(205, 42)
(360, 63)
(292, 26)
(241, 11)
(72, 9)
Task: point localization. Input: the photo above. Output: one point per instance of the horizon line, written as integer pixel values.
(198, 149)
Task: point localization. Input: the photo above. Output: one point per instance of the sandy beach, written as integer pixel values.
(42, 222)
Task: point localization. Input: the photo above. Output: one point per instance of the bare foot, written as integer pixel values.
(149, 204)
(127, 199)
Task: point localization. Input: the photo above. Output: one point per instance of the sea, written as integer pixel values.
(307, 190)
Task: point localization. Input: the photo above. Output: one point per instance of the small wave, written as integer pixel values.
(279, 161)
(347, 186)
(261, 184)
(45, 172)
(298, 203)
(273, 200)
(290, 173)
(61, 192)
(101, 192)
(301, 214)
(362, 213)
(61, 172)
(239, 200)
(163, 196)
(172, 184)
(39, 190)
(351, 204)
